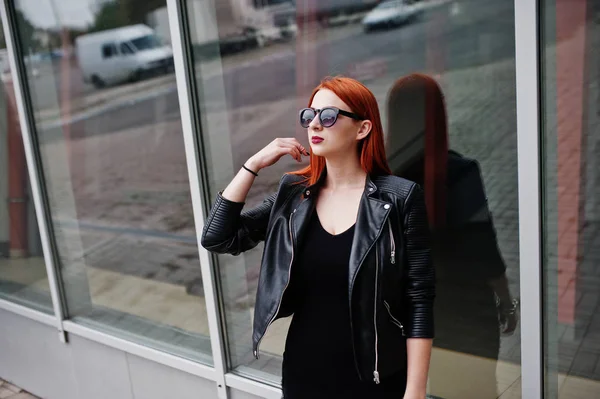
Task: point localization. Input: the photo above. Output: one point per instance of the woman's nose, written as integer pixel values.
(315, 124)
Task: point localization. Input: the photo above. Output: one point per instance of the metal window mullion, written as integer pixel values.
(18, 76)
(527, 61)
(184, 77)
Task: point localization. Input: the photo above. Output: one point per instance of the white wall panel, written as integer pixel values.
(150, 380)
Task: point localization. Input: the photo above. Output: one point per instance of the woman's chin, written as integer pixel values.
(316, 151)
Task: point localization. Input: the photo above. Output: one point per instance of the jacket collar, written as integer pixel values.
(370, 187)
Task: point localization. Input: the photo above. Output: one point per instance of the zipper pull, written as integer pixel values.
(376, 376)
(393, 258)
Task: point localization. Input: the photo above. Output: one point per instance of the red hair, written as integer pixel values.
(372, 148)
(436, 142)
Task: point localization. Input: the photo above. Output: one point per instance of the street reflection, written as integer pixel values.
(107, 131)
(473, 302)
(23, 277)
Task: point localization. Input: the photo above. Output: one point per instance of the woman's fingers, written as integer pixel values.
(294, 149)
(295, 152)
(293, 141)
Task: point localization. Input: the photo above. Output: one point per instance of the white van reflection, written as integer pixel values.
(123, 54)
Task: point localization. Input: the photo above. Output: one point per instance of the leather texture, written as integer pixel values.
(391, 285)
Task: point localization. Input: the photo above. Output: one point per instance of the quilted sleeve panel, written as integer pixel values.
(230, 230)
(419, 272)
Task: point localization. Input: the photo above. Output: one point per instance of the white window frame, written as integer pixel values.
(527, 62)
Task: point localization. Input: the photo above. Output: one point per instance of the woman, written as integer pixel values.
(472, 288)
(346, 251)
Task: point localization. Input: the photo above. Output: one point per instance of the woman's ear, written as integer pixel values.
(364, 130)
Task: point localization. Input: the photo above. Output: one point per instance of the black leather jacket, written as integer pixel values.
(391, 279)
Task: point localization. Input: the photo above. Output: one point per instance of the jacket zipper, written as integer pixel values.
(393, 244)
(376, 372)
(256, 352)
(394, 320)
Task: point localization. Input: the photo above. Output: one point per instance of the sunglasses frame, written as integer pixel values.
(337, 113)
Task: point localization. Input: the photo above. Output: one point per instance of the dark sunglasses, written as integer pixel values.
(327, 116)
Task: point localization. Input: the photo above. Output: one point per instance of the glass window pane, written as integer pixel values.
(251, 82)
(571, 219)
(109, 135)
(23, 277)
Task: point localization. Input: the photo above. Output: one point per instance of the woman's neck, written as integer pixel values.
(344, 173)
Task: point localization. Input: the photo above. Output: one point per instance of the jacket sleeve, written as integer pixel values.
(419, 272)
(228, 230)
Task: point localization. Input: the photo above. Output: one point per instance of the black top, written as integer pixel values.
(318, 359)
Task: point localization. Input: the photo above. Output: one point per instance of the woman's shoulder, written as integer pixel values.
(395, 185)
(289, 184)
(292, 179)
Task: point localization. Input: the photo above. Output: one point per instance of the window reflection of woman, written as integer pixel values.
(472, 288)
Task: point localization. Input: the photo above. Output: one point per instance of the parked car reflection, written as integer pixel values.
(123, 54)
(389, 14)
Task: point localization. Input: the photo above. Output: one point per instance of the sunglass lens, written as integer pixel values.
(328, 117)
(306, 117)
